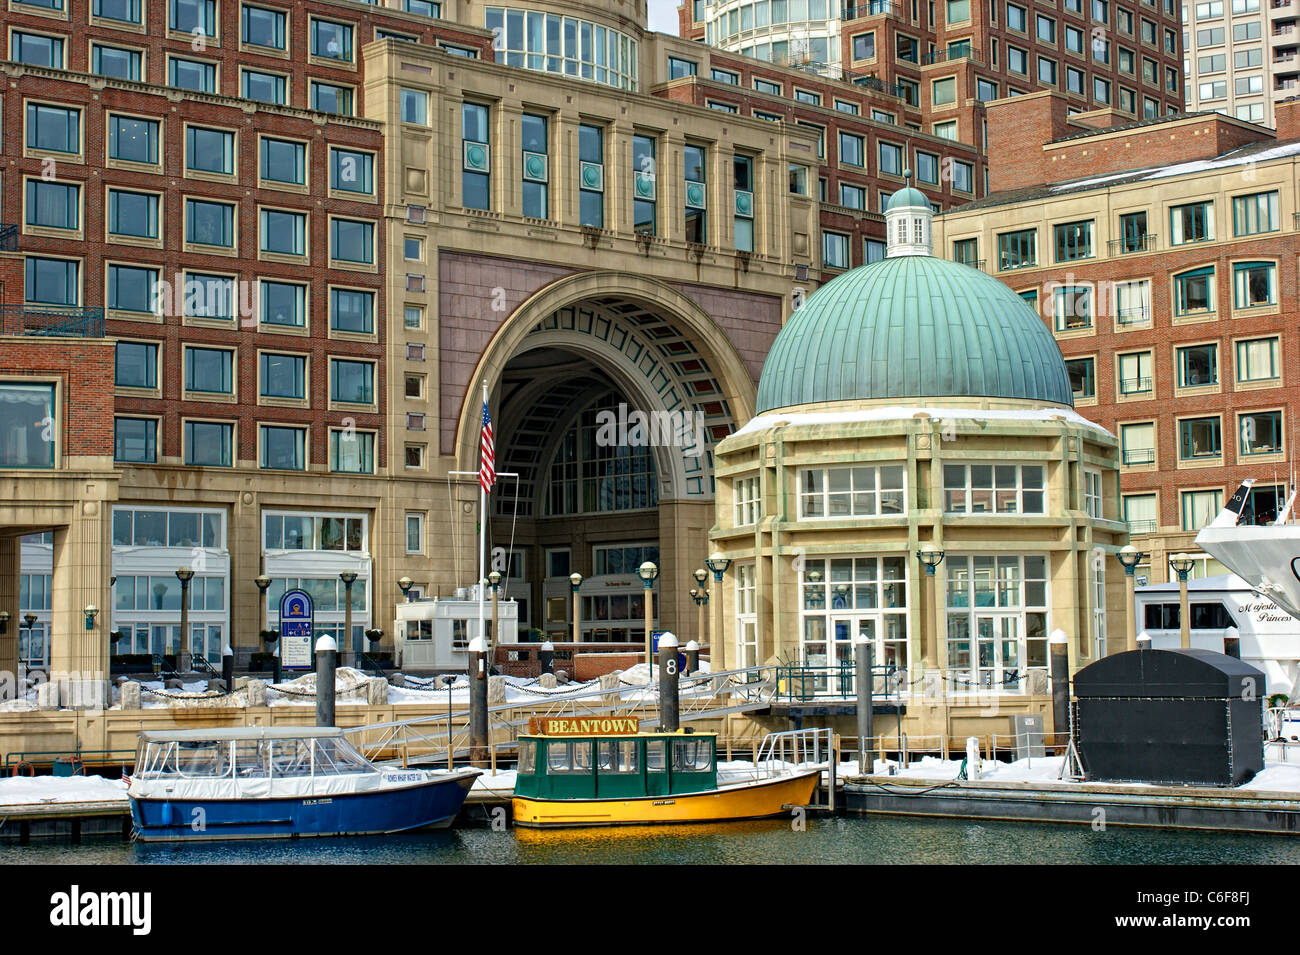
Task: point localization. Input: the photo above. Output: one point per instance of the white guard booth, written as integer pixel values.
(434, 633)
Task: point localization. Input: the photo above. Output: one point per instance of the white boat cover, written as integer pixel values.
(262, 787)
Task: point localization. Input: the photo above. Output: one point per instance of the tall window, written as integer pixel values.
(644, 217)
(132, 140)
(696, 192)
(1261, 432)
(1083, 377)
(209, 223)
(283, 303)
(1133, 302)
(53, 128)
(591, 176)
(476, 156)
(352, 382)
(1017, 250)
(25, 436)
(331, 41)
(263, 27)
(131, 288)
(351, 171)
(1135, 376)
(352, 311)
(1253, 284)
(51, 281)
(209, 443)
(588, 476)
(1194, 292)
(53, 205)
(283, 161)
(132, 214)
(1073, 307)
(1254, 214)
(209, 370)
(283, 232)
(283, 448)
(536, 165)
(996, 612)
(746, 616)
(845, 599)
(1073, 240)
(1200, 438)
(282, 376)
(1200, 507)
(135, 440)
(1193, 222)
(135, 365)
(1198, 365)
(1257, 360)
(1138, 443)
(36, 50)
(352, 240)
(192, 75)
(210, 150)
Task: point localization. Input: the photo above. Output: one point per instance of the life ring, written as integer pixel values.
(19, 767)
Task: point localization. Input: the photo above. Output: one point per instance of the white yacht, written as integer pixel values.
(1266, 556)
(1226, 615)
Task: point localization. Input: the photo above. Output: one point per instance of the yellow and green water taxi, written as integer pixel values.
(605, 772)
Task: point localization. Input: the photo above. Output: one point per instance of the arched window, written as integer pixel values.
(604, 463)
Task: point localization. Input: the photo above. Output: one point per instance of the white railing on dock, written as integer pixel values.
(445, 737)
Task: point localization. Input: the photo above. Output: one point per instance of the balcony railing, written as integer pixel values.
(1134, 386)
(857, 9)
(1141, 527)
(1139, 455)
(1132, 243)
(870, 82)
(52, 321)
(8, 237)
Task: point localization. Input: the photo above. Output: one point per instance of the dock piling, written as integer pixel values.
(327, 652)
(669, 671)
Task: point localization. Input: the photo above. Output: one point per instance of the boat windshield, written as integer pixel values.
(692, 756)
(250, 758)
(618, 756)
(334, 756)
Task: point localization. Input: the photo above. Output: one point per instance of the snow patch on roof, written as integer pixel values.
(895, 412)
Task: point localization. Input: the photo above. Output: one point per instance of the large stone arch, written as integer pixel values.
(632, 358)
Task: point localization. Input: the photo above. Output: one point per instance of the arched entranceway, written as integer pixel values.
(608, 392)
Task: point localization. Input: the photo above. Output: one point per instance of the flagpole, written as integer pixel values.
(482, 536)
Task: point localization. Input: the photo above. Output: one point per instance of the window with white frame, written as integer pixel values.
(1097, 581)
(993, 489)
(746, 616)
(866, 491)
(997, 625)
(297, 530)
(846, 598)
(1092, 493)
(745, 491)
(415, 533)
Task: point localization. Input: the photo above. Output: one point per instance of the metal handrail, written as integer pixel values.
(1140, 456)
(52, 321)
(1131, 244)
(1134, 386)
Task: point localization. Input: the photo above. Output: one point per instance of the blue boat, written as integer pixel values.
(279, 783)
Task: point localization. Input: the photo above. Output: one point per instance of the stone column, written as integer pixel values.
(10, 560)
(82, 558)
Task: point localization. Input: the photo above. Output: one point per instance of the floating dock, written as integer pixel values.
(1095, 804)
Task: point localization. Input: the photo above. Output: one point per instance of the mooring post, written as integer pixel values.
(668, 674)
(692, 657)
(1060, 656)
(228, 667)
(478, 696)
(327, 652)
(546, 655)
(863, 656)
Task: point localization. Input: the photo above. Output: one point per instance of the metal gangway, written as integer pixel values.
(810, 748)
(445, 737)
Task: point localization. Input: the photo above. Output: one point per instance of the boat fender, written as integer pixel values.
(166, 814)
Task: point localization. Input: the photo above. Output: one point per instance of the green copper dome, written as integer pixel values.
(907, 197)
(913, 326)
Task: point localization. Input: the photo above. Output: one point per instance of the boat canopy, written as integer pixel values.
(240, 733)
(218, 755)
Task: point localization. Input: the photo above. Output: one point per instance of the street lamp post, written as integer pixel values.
(349, 578)
(931, 557)
(575, 583)
(404, 584)
(648, 572)
(701, 575)
(494, 581)
(184, 575)
(1182, 565)
(1129, 556)
(701, 598)
(269, 637)
(717, 564)
(30, 620)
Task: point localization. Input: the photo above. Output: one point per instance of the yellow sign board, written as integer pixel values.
(584, 726)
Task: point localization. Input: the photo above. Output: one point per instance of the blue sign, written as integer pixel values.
(296, 630)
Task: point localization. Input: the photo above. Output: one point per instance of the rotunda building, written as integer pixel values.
(916, 477)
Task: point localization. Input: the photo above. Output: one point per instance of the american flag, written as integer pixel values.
(487, 472)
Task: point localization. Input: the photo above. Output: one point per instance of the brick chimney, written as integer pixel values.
(1018, 126)
(1286, 118)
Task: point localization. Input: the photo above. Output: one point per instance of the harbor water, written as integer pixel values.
(879, 840)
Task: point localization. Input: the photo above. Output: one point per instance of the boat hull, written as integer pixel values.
(743, 801)
(432, 804)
